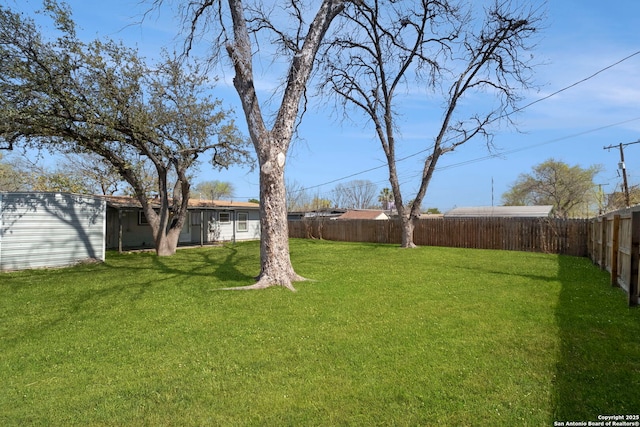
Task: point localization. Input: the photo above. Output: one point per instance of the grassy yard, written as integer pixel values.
(382, 336)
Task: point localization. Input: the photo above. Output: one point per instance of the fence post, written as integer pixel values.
(603, 244)
(590, 242)
(635, 258)
(615, 241)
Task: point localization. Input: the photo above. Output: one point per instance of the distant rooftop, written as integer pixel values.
(501, 211)
(364, 214)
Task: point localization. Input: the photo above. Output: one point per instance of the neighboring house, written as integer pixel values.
(40, 229)
(364, 214)
(208, 221)
(501, 211)
(328, 213)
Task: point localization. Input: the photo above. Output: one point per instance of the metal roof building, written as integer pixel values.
(501, 211)
(39, 229)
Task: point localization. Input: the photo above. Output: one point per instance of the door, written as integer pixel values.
(185, 233)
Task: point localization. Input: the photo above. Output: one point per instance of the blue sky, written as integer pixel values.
(580, 38)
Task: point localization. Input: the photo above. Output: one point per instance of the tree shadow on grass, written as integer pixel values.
(221, 262)
(128, 282)
(208, 265)
(598, 368)
(63, 310)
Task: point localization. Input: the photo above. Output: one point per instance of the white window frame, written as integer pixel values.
(242, 225)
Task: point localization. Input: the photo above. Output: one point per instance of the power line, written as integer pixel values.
(409, 178)
(578, 82)
(498, 118)
(528, 147)
(551, 141)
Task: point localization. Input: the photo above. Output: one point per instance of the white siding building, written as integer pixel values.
(50, 229)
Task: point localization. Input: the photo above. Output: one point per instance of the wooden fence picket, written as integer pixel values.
(551, 235)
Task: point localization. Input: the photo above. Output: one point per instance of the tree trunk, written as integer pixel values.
(408, 225)
(165, 236)
(276, 267)
(167, 242)
(275, 261)
(272, 146)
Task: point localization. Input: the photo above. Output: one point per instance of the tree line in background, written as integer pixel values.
(355, 194)
(571, 190)
(74, 173)
(88, 174)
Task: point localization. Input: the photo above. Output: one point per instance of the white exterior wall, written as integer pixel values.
(232, 231)
(223, 231)
(50, 229)
(253, 231)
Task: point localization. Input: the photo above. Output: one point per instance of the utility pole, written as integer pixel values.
(622, 166)
(491, 191)
(624, 177)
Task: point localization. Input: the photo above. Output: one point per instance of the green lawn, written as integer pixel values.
(381, 336)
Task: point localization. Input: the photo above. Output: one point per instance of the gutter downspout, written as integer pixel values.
(201, 227)
(119, 230)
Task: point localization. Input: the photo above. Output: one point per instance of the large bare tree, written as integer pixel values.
(101, 97)
(355, 194)
(391, 47)
(97, 173)
(296, 36)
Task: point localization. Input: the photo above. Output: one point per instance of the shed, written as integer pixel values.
(501, 211)
(209, 221)
(40, 229)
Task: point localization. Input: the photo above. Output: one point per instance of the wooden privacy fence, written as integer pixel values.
(548, 235)
(614, 245)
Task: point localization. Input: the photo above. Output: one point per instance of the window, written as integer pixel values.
(243, 221)
(224, 217)
(142, 219)
(195, 218)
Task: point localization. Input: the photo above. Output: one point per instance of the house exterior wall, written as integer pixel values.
(203, 226)
(226, 225)
(134, 234)
(50, 229)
